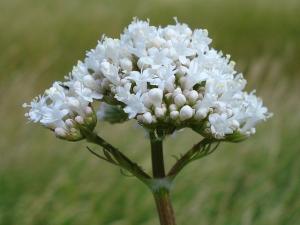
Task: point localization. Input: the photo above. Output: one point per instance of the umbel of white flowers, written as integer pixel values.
(163, 77)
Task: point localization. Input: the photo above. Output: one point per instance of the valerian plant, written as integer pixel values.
(166, 79)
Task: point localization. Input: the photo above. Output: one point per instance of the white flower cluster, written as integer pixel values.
(160, 76)
(63, 111)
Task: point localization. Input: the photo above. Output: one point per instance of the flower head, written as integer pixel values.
(166, 77)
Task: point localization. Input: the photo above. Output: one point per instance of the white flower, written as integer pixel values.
(141, 79)
(111, 72)
(162, 77)
(220, 125)
(165, 78)
(37, 105)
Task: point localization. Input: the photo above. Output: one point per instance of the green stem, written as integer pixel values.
(164, 208)
(161, 194)
(157, 156)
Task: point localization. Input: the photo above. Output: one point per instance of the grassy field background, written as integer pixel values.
(45, 181)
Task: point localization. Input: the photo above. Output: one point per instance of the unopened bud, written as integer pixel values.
(156, 96)
(186, 112)
(69, 122)
(146, 100)
(126, 64)
(79, 120)
(89, 81)
(192, 96)
(235, 124)
(105, 66)
(172, 107)
(201, 113)
(174, 115)
(180, 100)
(177, 91)
(60, 132)
(182, 81)
(88, 111)
(147, 118)
(159, 112)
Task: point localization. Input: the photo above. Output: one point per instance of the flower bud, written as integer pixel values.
(235, 124)
(72, 134)
(156, 96)
(201, 113)
(159, 112)
(182, 70)
(60, 132)
(177, 91)
(105, 67)
(179, 100)
(174, 115)
(192, 96)
(147, 118)
(79, 120)
(89, 81)
(182, 81)
(126, 64)
(186, 112)
(69, 123)
(172, 107)
(88, 111)
(146, 100)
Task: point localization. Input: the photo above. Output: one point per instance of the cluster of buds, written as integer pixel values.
(72, 129)
(163, 77)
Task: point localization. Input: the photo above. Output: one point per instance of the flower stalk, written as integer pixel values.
(161, 192)
(157, 156)
(164, 208)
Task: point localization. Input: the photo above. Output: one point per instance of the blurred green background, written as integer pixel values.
(46, 181)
